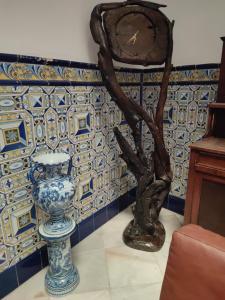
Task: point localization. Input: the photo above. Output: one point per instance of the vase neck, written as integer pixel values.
(53, 171)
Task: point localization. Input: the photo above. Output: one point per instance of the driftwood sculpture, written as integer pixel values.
(137, 32)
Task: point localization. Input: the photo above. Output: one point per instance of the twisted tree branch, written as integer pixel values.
(153, 175)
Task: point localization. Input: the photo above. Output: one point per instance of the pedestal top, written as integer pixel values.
(56, 235)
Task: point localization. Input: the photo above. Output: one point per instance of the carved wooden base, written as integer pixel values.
(136, 238)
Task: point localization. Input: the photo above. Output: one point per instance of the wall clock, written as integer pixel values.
(136, 35)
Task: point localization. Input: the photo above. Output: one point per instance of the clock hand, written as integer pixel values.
(133, 39)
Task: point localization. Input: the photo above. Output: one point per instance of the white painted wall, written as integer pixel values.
(199, 24)
(60, 29)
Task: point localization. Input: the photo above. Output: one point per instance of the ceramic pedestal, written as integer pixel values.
(62, 276)
(53, 192)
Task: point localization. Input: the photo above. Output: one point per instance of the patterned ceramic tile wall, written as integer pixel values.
(52, 108)
(185, 117)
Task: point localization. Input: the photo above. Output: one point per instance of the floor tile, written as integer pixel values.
(119, 222)
(171, 223)
(112, 231)
(142, 292)
(95, 295)
(162, 256)
(180, 219)
(31, 289)
(108, 269)
(93, 242)
(166, 212)
(129, 267)
(92, 269)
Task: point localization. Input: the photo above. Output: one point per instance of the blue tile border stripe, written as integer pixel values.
(58, 62)
(8, 281)
(175, 204)
(75, 64)
(209, 82)
(92, 84)
(58, 65)
(59, 83)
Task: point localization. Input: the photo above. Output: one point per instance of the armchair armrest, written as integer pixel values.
(196, 266)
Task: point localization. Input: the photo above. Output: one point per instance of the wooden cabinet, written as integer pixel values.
(205, 201)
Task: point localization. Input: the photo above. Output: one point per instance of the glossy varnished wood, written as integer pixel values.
(205, 202)
(207, 164)
(210, 144)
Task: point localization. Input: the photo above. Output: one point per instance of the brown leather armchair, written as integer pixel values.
(196, 266)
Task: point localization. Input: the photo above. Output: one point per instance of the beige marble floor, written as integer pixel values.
(108, 269)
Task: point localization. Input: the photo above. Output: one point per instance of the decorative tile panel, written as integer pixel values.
(190, 74)
(49, 107)
(36, 72)
(52, 129)
(80, 123)
(10, 97)
(16, 135)
(38, 118)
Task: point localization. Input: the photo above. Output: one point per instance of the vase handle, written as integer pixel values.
(30, 174)
(70, 166)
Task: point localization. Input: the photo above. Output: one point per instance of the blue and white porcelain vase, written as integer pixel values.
(53, 192)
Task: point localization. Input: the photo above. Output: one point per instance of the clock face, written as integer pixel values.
(133, 33)
(137, 35)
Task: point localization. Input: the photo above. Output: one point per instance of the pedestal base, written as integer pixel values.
(58, 286)
(136, 238)
(62, 276)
